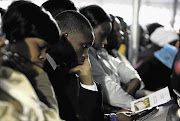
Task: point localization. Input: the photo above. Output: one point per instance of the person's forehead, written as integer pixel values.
(38, 41)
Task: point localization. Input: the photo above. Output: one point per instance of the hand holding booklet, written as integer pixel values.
(148, 102)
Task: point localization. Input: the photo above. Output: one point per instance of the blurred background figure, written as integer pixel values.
(144, 39)
(57, 6)
(156, 68)
(2, 11)
(151, 27)
(125, 36)
(116, 39)
(149, 49)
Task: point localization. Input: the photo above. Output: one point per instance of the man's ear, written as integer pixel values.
(66, 36)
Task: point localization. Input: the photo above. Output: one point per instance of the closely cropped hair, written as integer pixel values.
(24, 19)
(58, 6)
(73, 22)
(95, 14)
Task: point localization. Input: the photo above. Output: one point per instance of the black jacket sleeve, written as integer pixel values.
(90, 103)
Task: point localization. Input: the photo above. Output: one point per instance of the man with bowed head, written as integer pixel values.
(79, 97)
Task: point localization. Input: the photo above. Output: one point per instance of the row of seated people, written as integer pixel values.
(157, 50)
(108, 76)
(66, 48)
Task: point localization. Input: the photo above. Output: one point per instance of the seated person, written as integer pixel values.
(107, 70)
(115, 39)
(73, 93)
(151, 47)
(153, 72)
(26, 38)
(125, 36)
(78, 92)
(78, 96)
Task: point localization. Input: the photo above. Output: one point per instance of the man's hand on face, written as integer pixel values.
(84, 72)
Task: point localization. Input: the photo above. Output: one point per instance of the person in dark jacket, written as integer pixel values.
(79, 97)
(84, 103)
(75, 102)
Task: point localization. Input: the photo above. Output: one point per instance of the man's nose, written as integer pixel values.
(42, 56)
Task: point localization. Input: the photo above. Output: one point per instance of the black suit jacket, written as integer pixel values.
(75, 102)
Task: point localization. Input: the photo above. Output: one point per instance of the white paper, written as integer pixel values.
(157, 98)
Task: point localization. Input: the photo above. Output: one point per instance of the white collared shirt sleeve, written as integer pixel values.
(113, 94)
(90, 87)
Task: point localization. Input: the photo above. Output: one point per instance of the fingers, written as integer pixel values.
(122, 117)
(79, 68)
(84, 72)
(75, 70)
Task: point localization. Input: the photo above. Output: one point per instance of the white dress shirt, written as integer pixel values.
(110, 72)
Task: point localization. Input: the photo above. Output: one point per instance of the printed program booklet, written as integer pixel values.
(155, 99)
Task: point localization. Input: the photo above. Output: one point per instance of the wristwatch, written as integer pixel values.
(113, 117)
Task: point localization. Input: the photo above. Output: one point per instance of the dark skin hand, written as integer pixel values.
(123, 117)
(84, 72)
(132, 86)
